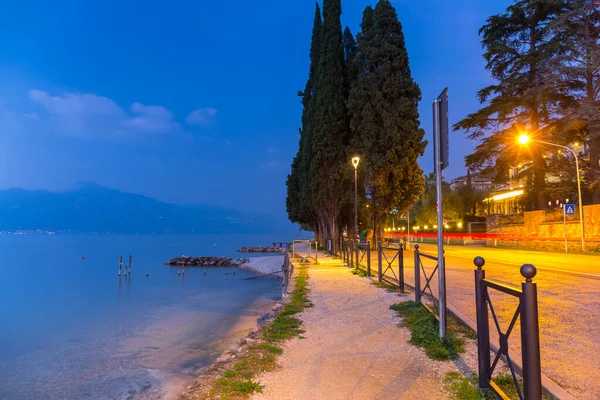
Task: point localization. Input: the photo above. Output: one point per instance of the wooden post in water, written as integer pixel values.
(129, 267)
(120, 264)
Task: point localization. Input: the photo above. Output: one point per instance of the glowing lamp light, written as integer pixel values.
(460, 225)
(435, 227)
(514, 193)
(355, 161)
(524, 139)
(446, 226)
(426, 227)
(403, 228)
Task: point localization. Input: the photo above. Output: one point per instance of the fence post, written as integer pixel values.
(349, 252)
(483, 327)
(401, 267)
(368, 259)
(346, 252)
(379, 256)
(417, 275)
(530, 336)
(357, 249)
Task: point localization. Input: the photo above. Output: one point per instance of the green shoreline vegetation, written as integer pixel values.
(239, 381)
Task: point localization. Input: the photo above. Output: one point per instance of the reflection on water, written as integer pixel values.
(71, 328)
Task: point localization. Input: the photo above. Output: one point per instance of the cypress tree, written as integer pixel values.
(519, 48)
(330, 169)
(349, 59)
(299, 199)
(384, 119)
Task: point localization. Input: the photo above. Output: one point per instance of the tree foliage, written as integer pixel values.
(360, 98)
(299, 206)
(519, 48)
(384, 119)
(577, 78)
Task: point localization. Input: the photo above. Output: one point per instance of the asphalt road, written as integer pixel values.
(569, 305)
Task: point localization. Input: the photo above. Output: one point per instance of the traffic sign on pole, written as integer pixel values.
(441, 161)
(570, 209)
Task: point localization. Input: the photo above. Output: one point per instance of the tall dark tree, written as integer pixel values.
(578, 77)
(384, 119)
(299, 198)
(349, 57)
(519, 47)
(330, 170)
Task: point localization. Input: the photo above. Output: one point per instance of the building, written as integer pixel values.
(478, 182)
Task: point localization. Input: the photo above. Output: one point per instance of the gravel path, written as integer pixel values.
(353, 347)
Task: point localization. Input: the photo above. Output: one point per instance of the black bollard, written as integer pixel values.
(483, 327)
(530, 336)
(417, 275)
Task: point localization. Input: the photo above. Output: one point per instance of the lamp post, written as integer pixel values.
(355, 161)
(524, 139)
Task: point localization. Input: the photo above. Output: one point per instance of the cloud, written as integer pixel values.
(202, 117)
(89, 115)
(151, 119)
(273, 150)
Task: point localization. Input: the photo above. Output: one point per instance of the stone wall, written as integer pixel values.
(538, 233)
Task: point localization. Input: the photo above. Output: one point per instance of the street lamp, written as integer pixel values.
(355, 161)
(525, 139)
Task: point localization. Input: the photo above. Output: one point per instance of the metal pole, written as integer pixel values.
(401, 267)
(355, 202)
(530, 336)
(578, 187)
(565, 226)
(408, 227)
(440, 222)
(379, 257)
(356, 254)
(483, 327)
(580, 203)
(417, 275)
(368, 259)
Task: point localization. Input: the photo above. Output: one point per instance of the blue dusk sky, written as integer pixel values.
(195, 101)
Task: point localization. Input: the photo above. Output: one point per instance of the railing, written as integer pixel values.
(382, 274)
(420, 291)
(347, 252)
(363, 256)
(288, 270)
(530, 334)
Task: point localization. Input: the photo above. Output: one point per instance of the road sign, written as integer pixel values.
(440, 155)
(440, 129)
(570, 209)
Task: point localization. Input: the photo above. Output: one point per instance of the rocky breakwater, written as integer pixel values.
(206, 262)
(261, 249)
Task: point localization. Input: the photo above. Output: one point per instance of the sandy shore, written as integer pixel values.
(265, 265)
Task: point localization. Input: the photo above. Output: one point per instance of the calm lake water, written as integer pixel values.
(71, 329)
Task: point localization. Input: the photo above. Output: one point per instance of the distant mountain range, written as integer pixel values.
(92, 208)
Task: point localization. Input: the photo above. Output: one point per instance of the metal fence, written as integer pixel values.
(527, 310)
(363, 256)
(420, 291)
(388, 274)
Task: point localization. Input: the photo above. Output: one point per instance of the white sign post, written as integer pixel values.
(441, 161)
